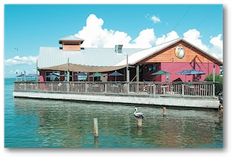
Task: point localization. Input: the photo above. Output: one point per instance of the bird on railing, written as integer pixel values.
(138, 115)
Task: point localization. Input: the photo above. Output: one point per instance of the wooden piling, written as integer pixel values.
(96, 141)
(95, 127)
(221, 109)
(139, 122)
(164, 111)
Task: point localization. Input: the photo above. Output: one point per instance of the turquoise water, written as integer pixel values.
(59, 124)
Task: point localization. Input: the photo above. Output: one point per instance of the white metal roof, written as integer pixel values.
(52, 56)
(140, 55)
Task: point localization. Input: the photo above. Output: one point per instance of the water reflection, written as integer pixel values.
(70, 124)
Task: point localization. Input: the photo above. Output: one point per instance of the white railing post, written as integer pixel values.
(38, 86)
(51, 87)
(182, 89)
(154, 89)
(85, 87)
(68, 87)
(127, 87)
(213, 89)
(106, 87)
(137, 87)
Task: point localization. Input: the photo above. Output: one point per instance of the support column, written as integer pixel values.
(68, 77)
(213, 78)
(137, 73)
(68, 71)
(137, 78)
(127, 72)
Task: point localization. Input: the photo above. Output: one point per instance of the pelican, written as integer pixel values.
(138, 115)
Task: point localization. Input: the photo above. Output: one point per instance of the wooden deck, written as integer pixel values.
(205, 89)
(176, 94)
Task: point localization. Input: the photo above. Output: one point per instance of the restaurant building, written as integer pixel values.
(176, 60)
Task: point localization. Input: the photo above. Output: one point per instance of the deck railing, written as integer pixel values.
(139, 88)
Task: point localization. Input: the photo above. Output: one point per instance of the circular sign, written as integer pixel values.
(179, 52)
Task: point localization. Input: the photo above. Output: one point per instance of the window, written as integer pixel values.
(52, 76)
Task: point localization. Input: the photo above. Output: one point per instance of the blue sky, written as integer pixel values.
(27, 27)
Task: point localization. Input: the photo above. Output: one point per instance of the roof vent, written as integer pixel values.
(118, 48)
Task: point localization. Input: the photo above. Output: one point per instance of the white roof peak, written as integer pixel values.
(140, 55)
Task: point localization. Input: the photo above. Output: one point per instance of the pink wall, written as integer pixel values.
(174, 68)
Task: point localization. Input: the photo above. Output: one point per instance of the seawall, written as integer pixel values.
(167, 100)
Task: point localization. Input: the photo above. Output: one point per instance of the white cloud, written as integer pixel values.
(21, 60)
(155, 19)
(193, 36)
(217, 41)
(145, 39)
(216, 47)
(96, 36)
(168, 37)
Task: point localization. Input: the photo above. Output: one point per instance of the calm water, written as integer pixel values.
(59, 124)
